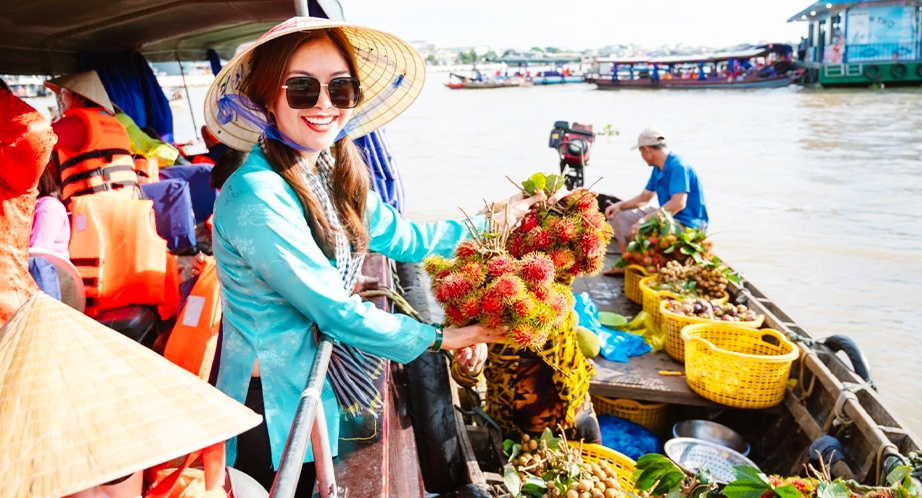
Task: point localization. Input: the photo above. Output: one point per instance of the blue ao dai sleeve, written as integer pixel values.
(407, 241)
(282, 251)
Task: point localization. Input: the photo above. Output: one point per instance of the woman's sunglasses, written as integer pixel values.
(303, 92)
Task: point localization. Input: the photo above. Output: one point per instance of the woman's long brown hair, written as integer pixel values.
(350, 180)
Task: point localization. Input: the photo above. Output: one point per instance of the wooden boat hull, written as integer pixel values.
(677, 84)
(483, 85)
(556, 80)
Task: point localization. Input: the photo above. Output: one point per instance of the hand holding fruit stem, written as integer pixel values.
(471, 359)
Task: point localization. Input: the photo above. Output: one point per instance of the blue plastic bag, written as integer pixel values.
(615, 345)
(628, 438)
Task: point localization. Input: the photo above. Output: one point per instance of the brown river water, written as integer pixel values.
(813, 195)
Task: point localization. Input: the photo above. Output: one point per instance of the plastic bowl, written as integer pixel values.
(694, 454)
(713, 432)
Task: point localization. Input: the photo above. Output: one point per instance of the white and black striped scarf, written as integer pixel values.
(352, 371)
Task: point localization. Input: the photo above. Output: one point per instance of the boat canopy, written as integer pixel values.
(544, 61)
(746, 53)
(47, 36)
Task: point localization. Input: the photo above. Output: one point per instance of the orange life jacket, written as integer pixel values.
(122, 260)
(103, 164)
(194, 339)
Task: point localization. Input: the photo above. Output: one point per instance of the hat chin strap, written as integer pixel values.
(235, 106)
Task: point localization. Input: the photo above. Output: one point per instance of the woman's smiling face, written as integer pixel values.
(317, 127)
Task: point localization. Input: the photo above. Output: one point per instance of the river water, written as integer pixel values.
(814, 195)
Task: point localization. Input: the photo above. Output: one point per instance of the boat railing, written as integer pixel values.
(309, 423)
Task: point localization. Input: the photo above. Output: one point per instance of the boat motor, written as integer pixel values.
(573, 145)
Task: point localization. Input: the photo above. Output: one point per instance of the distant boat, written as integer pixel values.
(763, 66)
(465, 82)
(27, 86)
(556, 78)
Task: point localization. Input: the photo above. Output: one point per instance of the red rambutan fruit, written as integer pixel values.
(474, 271)
(587, 202)
(522, 307)
(522, 333)
(452, 288)
(564, 230)
(517, 245)
(539, 239)
(500, 265)
(466, 249)
(509, 287)
(529, 221)
(454, 316)
(562, 259)
(470, 307)
(536, 270)
(435, 264)
(491, 302)
(493, 321)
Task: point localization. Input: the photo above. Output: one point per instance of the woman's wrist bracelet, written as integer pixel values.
(439, 336)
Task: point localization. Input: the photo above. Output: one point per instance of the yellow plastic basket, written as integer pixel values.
(652, 298)
(650, 415)
(673, 323)
(737, 366)
(632, 276)
(621, 464)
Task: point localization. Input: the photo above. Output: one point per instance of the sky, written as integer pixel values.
(581, 24)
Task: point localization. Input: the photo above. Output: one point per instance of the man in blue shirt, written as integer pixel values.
(674, 183)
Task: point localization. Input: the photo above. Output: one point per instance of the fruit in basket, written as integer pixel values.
(708, 280)
(549, 467)
(710, 310)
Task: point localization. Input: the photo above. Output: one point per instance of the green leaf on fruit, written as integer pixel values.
(788, 491)
(548, 437)
(516, 451)
(539, 180)
(897, 474)
(832, 490)
(554, 183)
(507, 447)
(512, 481)
(534, 486)
(529, 187)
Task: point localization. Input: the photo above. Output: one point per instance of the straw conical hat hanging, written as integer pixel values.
(87, 84)
(81, 405)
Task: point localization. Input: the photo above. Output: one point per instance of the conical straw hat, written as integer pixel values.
(86, 84)
(391, 71)
(81, 405)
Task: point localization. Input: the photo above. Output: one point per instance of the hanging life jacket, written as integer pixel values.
(194, 338)
(105, 162)
(120, 257)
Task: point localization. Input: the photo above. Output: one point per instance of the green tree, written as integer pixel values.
(509, 52)
(467, 57)
(490, 56)
(553, 50)
(431, 60)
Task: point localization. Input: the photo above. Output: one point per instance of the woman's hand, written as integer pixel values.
(198, 264)
(516, 208)
(462, 337)
(470, 360)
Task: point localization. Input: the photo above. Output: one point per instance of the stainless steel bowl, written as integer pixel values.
(694, 454)
(713, 432)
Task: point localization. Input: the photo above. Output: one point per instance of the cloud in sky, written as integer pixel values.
(581, 24)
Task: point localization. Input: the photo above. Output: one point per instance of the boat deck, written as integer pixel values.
(638, 379)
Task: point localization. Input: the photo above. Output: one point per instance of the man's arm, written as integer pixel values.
(675, 204)
(640, 200)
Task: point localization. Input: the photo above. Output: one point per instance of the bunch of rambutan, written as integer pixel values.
(573, 233)
(487, 285)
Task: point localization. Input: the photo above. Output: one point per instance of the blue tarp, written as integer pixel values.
(615, 345)
(383, 171)
(199, 178)
(172, 212)
(132, 86)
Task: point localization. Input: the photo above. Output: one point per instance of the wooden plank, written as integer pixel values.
(639, 379)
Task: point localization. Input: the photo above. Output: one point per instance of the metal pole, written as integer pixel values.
(188, 98)
(301, 9)
(310, 410)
